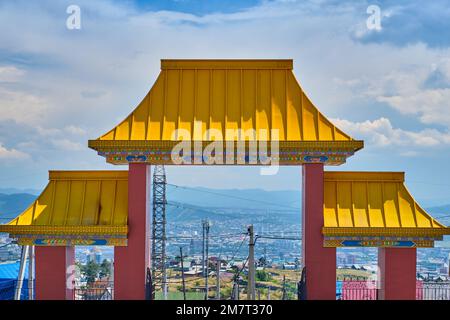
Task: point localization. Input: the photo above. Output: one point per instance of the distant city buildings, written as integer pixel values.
(8, 250)
(95, 255)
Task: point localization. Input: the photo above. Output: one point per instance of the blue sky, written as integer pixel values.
(197, 7)
(60, 87)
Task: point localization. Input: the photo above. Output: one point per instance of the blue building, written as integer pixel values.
(9, 273)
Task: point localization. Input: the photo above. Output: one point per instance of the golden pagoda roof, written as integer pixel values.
(375, 207)
(261, 98)
(76, 207)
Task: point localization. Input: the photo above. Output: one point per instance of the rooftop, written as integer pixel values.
(375, 208)
(76, 207)
(225, 100)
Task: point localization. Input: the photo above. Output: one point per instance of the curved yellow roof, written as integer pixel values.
(258, 97)
(83, 207)
(359, 204)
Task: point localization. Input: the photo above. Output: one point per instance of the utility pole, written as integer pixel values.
(182, 273)
(159, 231)
(268, 292)
(203, 248)
(206, 232)
(236, 290)
(233, 290)
(191, 247)
(449, 264)
(284, 288)
(218, 279)
(251, 265)
(265, 258)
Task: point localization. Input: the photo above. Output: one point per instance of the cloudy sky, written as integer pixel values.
(390, 87)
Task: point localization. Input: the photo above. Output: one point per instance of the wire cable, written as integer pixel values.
(234, 197)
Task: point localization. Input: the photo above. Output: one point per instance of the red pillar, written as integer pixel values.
(131, 262)
(397, 273)
(320, 262)
(54, 272)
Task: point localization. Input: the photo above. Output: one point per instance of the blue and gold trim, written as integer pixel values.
(69, 240)
(379, 242)
(287, 153)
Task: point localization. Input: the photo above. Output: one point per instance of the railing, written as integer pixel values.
(94, 291)
(433, 290)
(345, 290)
(367, 290)
(356, 290)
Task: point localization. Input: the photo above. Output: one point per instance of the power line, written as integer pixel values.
(215, 236)
(200, 237)
(239, 248)
(235, 197)
(278, 238)
(188, 207)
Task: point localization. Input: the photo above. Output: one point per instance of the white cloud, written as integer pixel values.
(421, 90)
(75, 130)
(432, 106)
(68, 86)
(67, 145)
(381, 133)
(47, 132)
(21, 107)
(11, 154)
(10, 73)
(52, 132)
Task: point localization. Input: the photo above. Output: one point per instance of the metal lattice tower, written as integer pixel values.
(159, 230)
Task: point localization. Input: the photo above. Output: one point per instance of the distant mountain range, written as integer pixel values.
(188, 203)
(14, 190)
(13, 204)
(289, 200)
(440, 210)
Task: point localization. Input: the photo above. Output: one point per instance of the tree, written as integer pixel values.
(90, 271)
(262, 275)
(105, 269)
